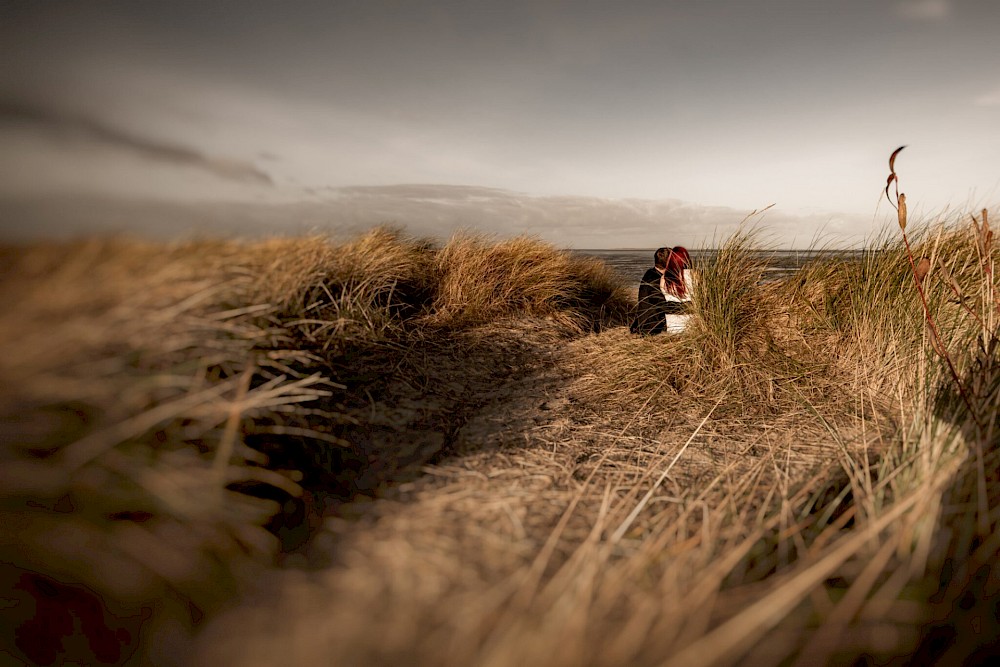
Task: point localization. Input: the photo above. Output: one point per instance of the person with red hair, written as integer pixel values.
(677, 285)
(652, 306)
(665, 293)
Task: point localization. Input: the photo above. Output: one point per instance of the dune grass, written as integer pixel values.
(801, 476)
(136, 373)
(477, 286)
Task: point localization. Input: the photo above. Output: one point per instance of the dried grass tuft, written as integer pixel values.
(792, 474)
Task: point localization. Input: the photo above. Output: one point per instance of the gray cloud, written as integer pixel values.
(924, 10)
(735, 102)
(62, 124)
(575, 221)
(434, 211)
(990, 99)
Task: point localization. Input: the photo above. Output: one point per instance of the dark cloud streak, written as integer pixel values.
(66, 124)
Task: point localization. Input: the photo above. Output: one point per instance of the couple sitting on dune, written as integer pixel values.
(665, 293)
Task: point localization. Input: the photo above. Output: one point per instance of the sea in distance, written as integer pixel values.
(631, 264)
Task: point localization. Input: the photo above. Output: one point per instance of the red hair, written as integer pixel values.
(673, 277)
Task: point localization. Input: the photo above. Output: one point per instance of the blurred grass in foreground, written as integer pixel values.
(162, 404)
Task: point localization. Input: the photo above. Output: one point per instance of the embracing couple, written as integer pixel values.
(665, 293)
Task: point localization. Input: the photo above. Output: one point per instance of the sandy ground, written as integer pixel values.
(494, 472)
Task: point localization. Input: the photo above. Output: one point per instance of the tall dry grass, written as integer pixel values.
(805, 476)
(869, 544)
(916, 325)
(788, 502)
(137, 376)
(484, 279)
(741, 348)
(791, 554)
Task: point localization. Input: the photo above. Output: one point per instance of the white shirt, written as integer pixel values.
(677, 323)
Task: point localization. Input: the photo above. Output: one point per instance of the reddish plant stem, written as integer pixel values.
(938, 345)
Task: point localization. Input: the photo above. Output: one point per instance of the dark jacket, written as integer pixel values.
(650, 311)
(653, 306)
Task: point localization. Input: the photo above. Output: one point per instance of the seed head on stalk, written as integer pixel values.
(895, 179)
(919, 273)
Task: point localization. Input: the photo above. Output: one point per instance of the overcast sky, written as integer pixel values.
(721, 104)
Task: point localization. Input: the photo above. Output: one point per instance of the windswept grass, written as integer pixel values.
(483, 280)
(734, 312)
(931, 476)
(856, 480)
(798, 479)
(135, 374)
(741, 349)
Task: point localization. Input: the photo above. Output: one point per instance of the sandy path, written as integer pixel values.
(490, 445)
(463, 441)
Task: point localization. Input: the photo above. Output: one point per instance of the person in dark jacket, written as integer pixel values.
(651, 311)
